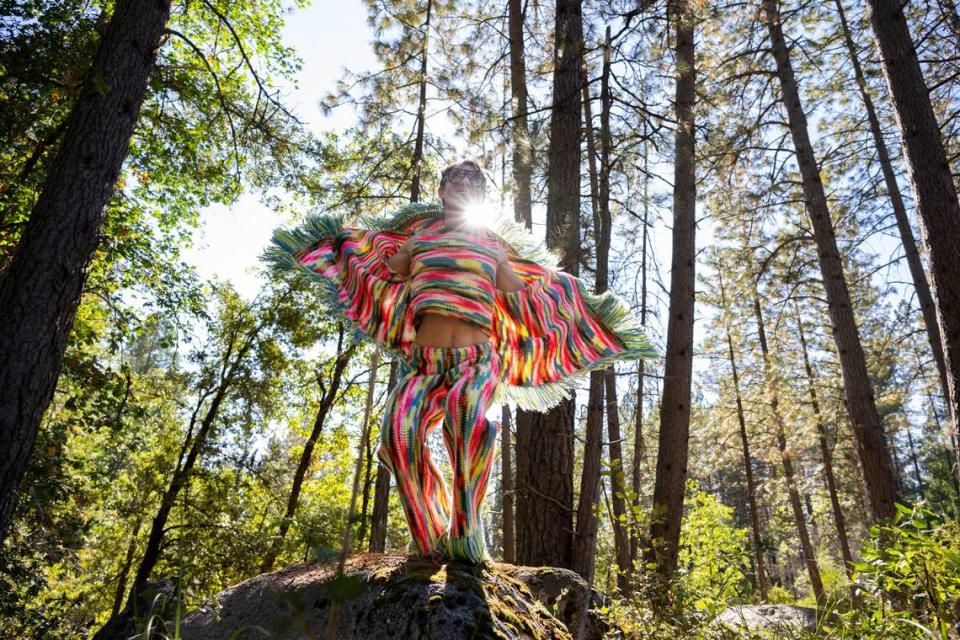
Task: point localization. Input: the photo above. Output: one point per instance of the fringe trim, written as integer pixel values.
(609, 307)
(612, 310)
(402, 217)
(281, 259)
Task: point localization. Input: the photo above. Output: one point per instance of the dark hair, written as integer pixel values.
(466, 161)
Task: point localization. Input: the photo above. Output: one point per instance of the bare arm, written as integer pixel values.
(399, 263)
(507, 278)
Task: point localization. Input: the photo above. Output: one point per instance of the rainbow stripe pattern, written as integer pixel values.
(547, 335)
(453, 386)
(453, 272)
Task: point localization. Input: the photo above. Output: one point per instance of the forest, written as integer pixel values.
(772, 187)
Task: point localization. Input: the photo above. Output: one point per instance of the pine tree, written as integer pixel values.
(935, 192)
(41, 288)
(673, 442)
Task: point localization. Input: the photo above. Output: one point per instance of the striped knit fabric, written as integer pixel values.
(453, 273)
(548, 335)
(453, 386)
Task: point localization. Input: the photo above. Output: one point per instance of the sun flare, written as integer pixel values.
(481, 214)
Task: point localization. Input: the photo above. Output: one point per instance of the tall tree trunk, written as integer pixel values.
(670, 484)
(522, 149)
(41, 288)
(417, 162)
(365, 503)
(522, 166)
(758, 546)
(586, 530)
(603, 230)
(612, 408)
(786, 458)
(858, 391)
(897, 465)
(545, 447)
(917, 477)
(327, 398)
(621, 542)
(639, 442)
(933, 188)
(506, 478)
(506, 489)
(826, 454)
(920, 284)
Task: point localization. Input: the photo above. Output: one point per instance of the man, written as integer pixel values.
(477, 317)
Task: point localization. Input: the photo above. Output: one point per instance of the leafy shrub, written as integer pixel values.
(909, 578)
(714, 558)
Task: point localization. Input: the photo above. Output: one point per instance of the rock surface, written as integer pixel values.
(773, 618)
(395, 596)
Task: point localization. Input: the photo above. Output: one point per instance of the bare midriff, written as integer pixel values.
(437, 330)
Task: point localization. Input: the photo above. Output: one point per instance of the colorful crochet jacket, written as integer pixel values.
(548, 334)
(453, 273)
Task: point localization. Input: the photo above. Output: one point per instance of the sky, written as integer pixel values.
(328, 36)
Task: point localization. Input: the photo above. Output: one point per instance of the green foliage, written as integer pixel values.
(910, 573)
(778, 595)
(940, 493)
(714, 558)
(150, 340)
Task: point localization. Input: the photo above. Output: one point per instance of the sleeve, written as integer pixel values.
(351, 264)
(553, 331)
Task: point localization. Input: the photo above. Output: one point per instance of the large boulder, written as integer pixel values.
(395, 596)
(776, 619)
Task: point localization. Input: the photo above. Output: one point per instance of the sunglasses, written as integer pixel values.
(458, 175)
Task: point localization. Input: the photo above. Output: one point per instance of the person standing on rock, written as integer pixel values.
(478, 314)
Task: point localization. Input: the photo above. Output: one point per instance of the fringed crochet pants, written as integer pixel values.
(454, 386)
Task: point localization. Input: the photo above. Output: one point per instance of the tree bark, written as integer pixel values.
(365, 497)
(920, 284)
(528, 422)
(621, 542)
(584, 538)
(789, 477)
(416, 164)
(935, 194)
(858, 391)
(41, 288)
(672, 452)
(545, 446)
(506, 474)
(606, 380)
(639, 442)
(917, 477)
(522, 149)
